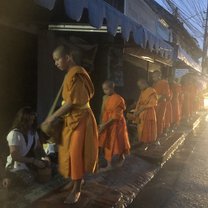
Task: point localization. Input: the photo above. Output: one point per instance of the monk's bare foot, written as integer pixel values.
(157, 143)
(70, 186)
(72, 198)
(120, 162)
(151, 145)
(146, 147)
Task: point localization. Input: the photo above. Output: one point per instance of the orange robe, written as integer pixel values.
(198, 97)
(146, 120)
(78, 151)
(187, 101)
(168, 113)
(162, 89)
(114, 139)
(176, 109)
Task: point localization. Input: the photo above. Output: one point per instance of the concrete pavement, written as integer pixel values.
(183, 182)
(116, 188)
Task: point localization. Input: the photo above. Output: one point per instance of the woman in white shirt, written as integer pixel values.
(23, 142)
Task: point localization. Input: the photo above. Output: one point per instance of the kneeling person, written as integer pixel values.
(23, 140)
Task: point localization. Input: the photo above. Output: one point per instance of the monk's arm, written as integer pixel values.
(152, 103)
(166, 91)
(108, 123)
(62, 111)
(105, 125)
(118, 112)
(161, 98)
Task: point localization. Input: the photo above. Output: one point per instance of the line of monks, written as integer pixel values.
(158, 108)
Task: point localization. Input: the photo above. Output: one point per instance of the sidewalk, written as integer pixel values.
(116, 188)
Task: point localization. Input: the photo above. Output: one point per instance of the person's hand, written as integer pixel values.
(101, 128)
(161, 98)
(136, 113)
(50, 119)
(130, 116)
(39, 163)
(47, 161)
(6, 183)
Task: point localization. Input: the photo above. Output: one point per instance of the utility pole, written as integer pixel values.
(205, 45)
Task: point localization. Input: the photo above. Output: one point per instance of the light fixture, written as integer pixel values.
(167, 62)
(164, 23)
(146, 58)
(79, 28)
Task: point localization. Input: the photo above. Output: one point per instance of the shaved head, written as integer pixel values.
(108, 87)
(63, 58)
(63, 50)
(142, 84)
(109, 83)
(156, 76)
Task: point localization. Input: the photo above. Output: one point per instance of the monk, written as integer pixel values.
(78, 151)
(187, 97)
(113, 138)
(163, 93)
(168, 114)
(176, 99)
(144, 114)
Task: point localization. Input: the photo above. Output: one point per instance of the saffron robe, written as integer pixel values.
(78, 151)
(176, 99)
(168, 113)
(162, 89)
(146, 120)
(114, 138)
(187, 105)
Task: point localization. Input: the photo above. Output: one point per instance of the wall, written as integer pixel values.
(18, 74)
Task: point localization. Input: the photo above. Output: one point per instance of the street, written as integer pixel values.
(183, 181)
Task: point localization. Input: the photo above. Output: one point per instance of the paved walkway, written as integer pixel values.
(183, 182)
(116, 188)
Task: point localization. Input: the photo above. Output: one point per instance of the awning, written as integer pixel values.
(99, 10)
(147, 56)
(188, 60)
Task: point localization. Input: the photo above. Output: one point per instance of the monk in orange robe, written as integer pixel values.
(168, 113)
(176, 109)
(78, 151)
(163, 93)
(145, 115)
(113, 138)
(187, 105)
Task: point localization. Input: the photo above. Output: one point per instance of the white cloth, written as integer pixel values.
(50, 148)
(16, 138)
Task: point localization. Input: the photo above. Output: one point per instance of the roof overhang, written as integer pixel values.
(184, 60)
(99, 10)
(147, 55)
